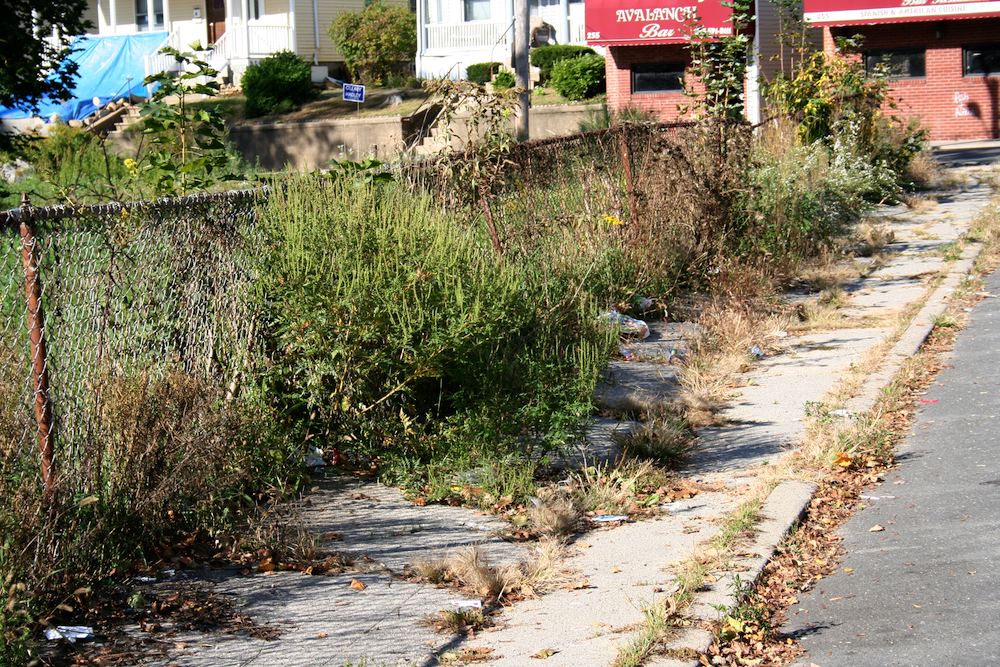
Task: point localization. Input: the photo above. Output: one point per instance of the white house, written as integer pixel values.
(453, 34)
(236, 32)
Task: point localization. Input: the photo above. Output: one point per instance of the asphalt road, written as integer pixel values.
(926, 590)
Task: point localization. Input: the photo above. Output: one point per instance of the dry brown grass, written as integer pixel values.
(554, 514)
(730, 330)
(613, 489)
(924, 170)
(663, 436)
(471, 569)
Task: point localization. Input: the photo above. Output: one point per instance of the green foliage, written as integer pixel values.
(375, 42)
(187, 151)
(69, 166)
(481, 72)
(719, 64)
(579, 78)
(34, 49)
(545, 57)
(399, 335)
(278, 84)
(504, 80)
(826, 89)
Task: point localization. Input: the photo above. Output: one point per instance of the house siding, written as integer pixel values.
(327, 11)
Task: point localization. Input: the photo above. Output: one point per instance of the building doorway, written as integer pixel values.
(216, 15)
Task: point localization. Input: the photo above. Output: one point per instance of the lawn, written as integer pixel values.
(330, 105)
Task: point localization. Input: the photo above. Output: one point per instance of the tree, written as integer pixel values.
(187, 149)
(34, 50)
(375, 41)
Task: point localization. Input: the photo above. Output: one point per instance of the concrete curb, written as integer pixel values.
(786, 504)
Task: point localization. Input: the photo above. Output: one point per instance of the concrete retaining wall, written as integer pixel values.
(309, 145)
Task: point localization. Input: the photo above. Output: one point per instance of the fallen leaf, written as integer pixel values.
(322, 635)
(843, 460)
(577, 585)
(544, 653)
(616, 570)
(419, 501)
(358, 585)
(876, 529)
(848, 570)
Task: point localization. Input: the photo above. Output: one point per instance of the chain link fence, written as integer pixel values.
(92, 294)
(98, 293)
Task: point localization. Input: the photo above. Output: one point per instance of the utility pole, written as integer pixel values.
(522, 72)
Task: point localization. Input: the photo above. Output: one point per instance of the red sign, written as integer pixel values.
(856, 12)
(625, 22)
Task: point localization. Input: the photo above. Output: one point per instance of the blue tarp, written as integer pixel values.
(105, 63)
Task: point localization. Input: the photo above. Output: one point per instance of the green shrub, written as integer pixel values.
(579, 78)
(481, 72)
(375, 42)
(504, 80)
(399, 335)
(545, 57)
(277, 84)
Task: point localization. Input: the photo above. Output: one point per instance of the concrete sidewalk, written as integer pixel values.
(323, 621)
(926, 590)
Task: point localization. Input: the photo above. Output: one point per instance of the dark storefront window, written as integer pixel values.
(657, 77)
(898, 63)
(981, 59)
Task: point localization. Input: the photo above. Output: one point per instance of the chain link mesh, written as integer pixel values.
(148, 289)
(138, 290)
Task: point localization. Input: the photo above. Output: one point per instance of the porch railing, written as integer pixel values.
(466, 35)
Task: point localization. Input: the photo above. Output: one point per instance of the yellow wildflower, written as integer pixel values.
(613, 220)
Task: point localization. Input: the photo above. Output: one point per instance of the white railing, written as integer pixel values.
(220, 53)
(157, 62)
(268, 39)
(466, 35)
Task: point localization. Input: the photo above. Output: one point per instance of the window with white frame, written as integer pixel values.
(148, 15)
(477, 10)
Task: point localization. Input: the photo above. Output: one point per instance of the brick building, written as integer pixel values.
(647, 54)
(943, 57)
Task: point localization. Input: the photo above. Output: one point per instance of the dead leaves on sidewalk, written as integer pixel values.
(814, 550)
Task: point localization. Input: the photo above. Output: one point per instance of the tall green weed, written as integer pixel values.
(400, 336)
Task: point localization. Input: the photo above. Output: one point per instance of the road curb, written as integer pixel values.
(788, 501)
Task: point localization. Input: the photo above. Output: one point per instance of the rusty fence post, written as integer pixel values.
(491, 224)
(36, 331)
(626, 157)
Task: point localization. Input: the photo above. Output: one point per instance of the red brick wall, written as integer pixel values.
(951, 106)
(618, 63)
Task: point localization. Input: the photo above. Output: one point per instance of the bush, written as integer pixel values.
(375, 42)
(545, 57)
(277, 84)
(481, 72)
(504, 80)
(401, 337)
(579, 78)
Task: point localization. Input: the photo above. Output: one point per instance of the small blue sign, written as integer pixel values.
(354, 93)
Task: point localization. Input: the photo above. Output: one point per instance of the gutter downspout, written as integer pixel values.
(293, 45)
(315, 33)
(114, 16)
(421, 13)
